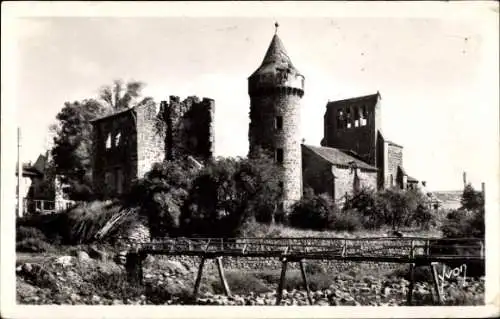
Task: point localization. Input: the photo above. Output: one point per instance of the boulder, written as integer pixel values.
(83, 257)
(65, 261)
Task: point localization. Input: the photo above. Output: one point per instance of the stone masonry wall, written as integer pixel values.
(189, 127)
(394, 159)
(344, 181)
(316, 173)
(150, 139)
(114, 153)
(263, 132)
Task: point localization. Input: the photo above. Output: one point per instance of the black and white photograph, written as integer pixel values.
(250, 159)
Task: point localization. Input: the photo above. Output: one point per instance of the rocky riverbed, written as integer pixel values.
(79, 279)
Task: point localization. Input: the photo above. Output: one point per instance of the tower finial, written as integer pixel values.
(276, 25)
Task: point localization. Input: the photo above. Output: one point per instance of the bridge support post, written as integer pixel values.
(279, 293)
(133, 265)
(222, 276)
(198, 278)
(306, 283)
(436, 283)
(412, 282)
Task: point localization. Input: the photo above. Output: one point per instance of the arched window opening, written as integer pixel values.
(108, 142)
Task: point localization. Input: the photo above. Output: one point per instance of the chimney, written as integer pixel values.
(483, 187)
(465, 179)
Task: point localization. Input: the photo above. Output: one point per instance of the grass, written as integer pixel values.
(278, 230)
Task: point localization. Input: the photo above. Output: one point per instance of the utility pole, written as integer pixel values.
(19, 175)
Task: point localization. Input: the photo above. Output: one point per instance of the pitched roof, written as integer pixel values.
(408, 177)
(337, 157)
(276, 57)
(411, 179)
(372, 98)
(394, 144)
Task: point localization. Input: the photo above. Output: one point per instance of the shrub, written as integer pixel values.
(161, 194)
(313, 211)
(366, 203)
(26, 232)
(349, 220)
(228, 193)
(239, 283)
(33, 245)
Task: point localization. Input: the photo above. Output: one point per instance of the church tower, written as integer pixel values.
(276, 89)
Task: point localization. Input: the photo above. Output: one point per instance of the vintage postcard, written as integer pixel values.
(250, 159)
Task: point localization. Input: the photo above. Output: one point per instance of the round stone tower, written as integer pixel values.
(276, 89)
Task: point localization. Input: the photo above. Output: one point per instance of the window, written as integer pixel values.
(279, 123)
(391, 180)
(108, 142)
(279, 155)
(117, 139)
(340, 119)
(364, 116)
(348, 119)
(356, 123)
(281, 186)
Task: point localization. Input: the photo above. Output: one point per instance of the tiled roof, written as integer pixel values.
(411, 179)
(394, 144)
(276, 57)
(372, 98)
(337, 157)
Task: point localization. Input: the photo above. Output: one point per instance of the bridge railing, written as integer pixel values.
(362, 247)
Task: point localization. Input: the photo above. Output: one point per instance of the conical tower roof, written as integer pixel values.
(276, 57)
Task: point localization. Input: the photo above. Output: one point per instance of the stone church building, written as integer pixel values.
(352, 154)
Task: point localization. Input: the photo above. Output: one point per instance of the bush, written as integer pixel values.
(350, 220)
(33, 245)
(313, 211)
(366, 202)
(26, 232)
(239, 283)
(464, 223)
(227, 194)
(161, 194)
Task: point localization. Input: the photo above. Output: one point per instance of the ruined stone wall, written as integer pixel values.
(189, 127)
(150, 138)
(344, 180)
(114, 153)
(263, 132)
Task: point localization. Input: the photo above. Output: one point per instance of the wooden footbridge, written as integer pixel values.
(415, 251)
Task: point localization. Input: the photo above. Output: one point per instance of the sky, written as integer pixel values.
(437, 75)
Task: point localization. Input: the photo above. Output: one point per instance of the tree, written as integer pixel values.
(161, 194)
(471, 199)
(120, 96)
(228, 193)
(72, 148)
